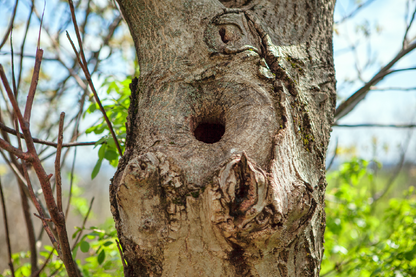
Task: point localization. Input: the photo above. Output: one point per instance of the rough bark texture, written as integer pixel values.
(229, 122)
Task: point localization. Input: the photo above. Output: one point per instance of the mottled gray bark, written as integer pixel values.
(229, 122)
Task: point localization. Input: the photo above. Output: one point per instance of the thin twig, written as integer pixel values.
(399, 167)
(121, 255)
(405, 40)
(7, 53)
(6, 227)
(58, 179)
(47, 219)
(97, 99)
(56, 271)
(83, 224)
(22, 181)
(375, 125)
(360, 94)
(33, 84)
(83, 65)
(351, 14)
(70, 184)
(392, 88)
(6, 36)
(22, 47)
(333, 157)
(8, 108)
(40, 211)
(53, 144)
(37, 273)
(19, 176)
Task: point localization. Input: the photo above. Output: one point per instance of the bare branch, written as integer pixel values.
(333, 157)
(359, 95)
(22, 47)
(6, 227)
(83, 224)
(6, 36)
(354, 12)
(391, 88)
(405, 40)
(43, 218)
(83, 65)
(44, 264)
(21, 54)
(375, 125)
(58, 164)
(40, 141)
(397, 170)
(15, 151)
(71, 183)
(33, 85)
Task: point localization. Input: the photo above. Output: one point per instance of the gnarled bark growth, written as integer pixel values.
(223, 173)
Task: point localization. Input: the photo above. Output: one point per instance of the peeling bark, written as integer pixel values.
(223, 173)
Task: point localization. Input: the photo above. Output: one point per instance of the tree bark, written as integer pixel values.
(223, 173)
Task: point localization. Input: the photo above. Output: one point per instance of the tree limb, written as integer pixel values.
(359, 95)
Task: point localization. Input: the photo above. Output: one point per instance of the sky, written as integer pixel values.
(384, 21)
(387, 24)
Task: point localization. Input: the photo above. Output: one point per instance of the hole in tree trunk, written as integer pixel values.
(223, 35)
(209, 132)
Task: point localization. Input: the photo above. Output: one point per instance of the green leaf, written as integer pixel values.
(25, 270)
(101, 257)
(111, 142)
(96, 169)
(85, 246)
(111, 155)
(101, 151)
(108, 243)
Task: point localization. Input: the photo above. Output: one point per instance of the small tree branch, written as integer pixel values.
(405, 40)
(49, 143)
(58, 164)
(97, 99)
(44, 264)
(375, 125)
(360, 94)
(83, 224)
(4, 53)
(333, 157)
(84, 67)
(6, 227)
(397, 170)
(6, 35)
(70, 184)
(22, 47)
(355, 11)
(33, 85)
(15, 151)
(391, 88)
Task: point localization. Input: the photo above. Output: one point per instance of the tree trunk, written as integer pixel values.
(229, 122)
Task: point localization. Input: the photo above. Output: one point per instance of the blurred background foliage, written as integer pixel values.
(369, 231)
